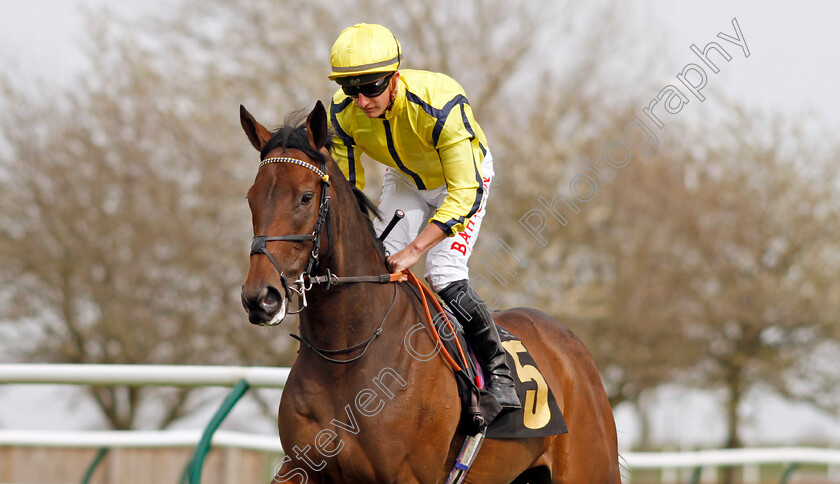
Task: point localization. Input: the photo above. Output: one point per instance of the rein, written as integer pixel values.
(364, 345)
(423, 293)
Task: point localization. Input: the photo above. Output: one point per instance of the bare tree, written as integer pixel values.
(124, 225)
(759, 261)
(709, 262)
(124, 232)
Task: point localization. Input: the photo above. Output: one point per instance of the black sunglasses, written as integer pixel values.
(371, 89)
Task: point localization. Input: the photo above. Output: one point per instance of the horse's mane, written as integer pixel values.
(368, 207)
(292, 135)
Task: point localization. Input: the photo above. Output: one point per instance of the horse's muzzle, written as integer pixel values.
(267, 307)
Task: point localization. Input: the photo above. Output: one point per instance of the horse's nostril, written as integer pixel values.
(269, 299)
(262, 304)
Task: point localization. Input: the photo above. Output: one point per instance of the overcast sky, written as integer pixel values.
(793, 63)
(793, 67)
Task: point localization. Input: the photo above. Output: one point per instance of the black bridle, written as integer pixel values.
(258, 244)
(307, 279)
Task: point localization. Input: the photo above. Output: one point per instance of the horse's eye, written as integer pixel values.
(307, 198)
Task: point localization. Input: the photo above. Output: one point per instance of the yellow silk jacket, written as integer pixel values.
(429, 133)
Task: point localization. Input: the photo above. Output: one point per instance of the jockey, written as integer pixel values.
(420, 125)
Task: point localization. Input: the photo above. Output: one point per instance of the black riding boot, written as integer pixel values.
(484, 337)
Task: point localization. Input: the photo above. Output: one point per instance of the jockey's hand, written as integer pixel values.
(403, 259)
(409, 256)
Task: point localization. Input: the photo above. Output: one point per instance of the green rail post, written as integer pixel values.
(193, 470)
(93, 465)
(788, 472)
(695, 476)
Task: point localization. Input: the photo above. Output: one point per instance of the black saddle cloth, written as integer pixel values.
(539, 416)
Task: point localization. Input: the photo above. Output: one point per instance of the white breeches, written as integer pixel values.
(446, 262)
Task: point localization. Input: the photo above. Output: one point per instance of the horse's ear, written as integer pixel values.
(256, 132)
(316, 126)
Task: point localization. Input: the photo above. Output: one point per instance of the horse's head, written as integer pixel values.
(289, 203)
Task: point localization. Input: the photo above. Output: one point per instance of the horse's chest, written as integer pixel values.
(347, 447)
(349, 436)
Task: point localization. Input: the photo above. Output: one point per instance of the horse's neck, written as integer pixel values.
(343, 316)
(348, 315)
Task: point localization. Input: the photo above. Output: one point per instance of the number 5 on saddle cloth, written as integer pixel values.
(539, 416)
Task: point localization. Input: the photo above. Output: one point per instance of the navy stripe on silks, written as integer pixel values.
(479, 195)
(480, 191)
(446, 228)
(389, 137)
(339, 131)
(469, 128)
(440, 115)
(467, 122)
(351, 165)
(345, 138)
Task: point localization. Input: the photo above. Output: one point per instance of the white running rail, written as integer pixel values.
(136, 439)
(143, 375)
(201, 376)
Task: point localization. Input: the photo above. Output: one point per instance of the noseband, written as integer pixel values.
(258, 245)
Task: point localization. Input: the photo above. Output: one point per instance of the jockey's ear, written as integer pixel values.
(316, 126)
(256, 132)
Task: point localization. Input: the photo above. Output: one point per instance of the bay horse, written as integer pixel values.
(359, 405)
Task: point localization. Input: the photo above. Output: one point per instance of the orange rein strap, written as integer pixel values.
(425, 292)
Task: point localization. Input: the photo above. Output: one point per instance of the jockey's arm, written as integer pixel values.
(428, 238)
(463, 177)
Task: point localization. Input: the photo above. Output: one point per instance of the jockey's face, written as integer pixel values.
(375, 106)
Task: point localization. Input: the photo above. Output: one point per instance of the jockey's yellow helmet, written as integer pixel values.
(363, 53)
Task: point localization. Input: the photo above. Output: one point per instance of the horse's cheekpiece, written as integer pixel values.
(539, 416)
